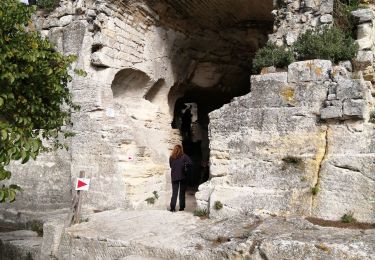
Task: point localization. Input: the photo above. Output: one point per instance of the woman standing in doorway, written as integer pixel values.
(177, 162)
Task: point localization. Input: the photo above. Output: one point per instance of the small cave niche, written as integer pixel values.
(130, 83)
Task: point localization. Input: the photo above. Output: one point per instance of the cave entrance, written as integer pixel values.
(192, 104)
(211, 45)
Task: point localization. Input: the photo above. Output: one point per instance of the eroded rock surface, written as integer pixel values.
(164, 235)
(299, 143)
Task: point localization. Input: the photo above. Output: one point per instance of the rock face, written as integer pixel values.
(21, 244)
(141, 57)
(148, 235)
(295, 17)
(298, 144)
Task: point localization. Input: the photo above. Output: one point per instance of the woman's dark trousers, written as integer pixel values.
(175, 186)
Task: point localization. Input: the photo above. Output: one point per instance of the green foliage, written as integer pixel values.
(218, 205)
(151, 200)
(315, 190)
(47, 4)
(342, 14)
(329, 43)
(203, 213)
(272, 55)
(348, 218)
(33, 80)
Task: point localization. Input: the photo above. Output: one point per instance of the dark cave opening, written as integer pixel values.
(194, 129)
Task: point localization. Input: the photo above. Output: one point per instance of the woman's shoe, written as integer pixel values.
(172, 210)
(181, 209)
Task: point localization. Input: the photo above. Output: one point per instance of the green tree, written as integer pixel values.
(35, 102)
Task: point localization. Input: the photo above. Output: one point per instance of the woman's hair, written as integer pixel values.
(177, 152)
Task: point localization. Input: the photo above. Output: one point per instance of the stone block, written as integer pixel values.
(73, 37)
(312, 70)
(347, 184)
(351, 138)
(101, 39)
(347, 65)
(52, 233)
(101, 60)
(326, 6)
(311, 4)
(278, 77)
(354, 108)
(369, 73)
(56, 36)
(327, 18)
(350, 89)
(363, 15)
(331, 112)
(365, 36)
(363, 60)
(65, 20)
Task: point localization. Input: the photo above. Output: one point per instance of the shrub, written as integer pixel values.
(342, 14)
(315, 190)
(201, 213)
(329, 43)
(348, 218)
(218, 205)
(272, 55)
(151, 200)
(47, 4)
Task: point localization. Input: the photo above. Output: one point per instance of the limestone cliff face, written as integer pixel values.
(277, 151)
(307, 128)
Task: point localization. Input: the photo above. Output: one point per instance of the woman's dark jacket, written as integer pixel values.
(177, 167)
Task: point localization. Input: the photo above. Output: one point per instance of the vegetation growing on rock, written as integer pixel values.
(34, 89)
(348, 218)
(272, 55)
(328, 43)
(218, 205)
(325, 43)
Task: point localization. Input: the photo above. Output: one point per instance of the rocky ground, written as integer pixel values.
(157, 234)
(165, 235)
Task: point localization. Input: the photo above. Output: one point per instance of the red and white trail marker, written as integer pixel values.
(82, 184)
